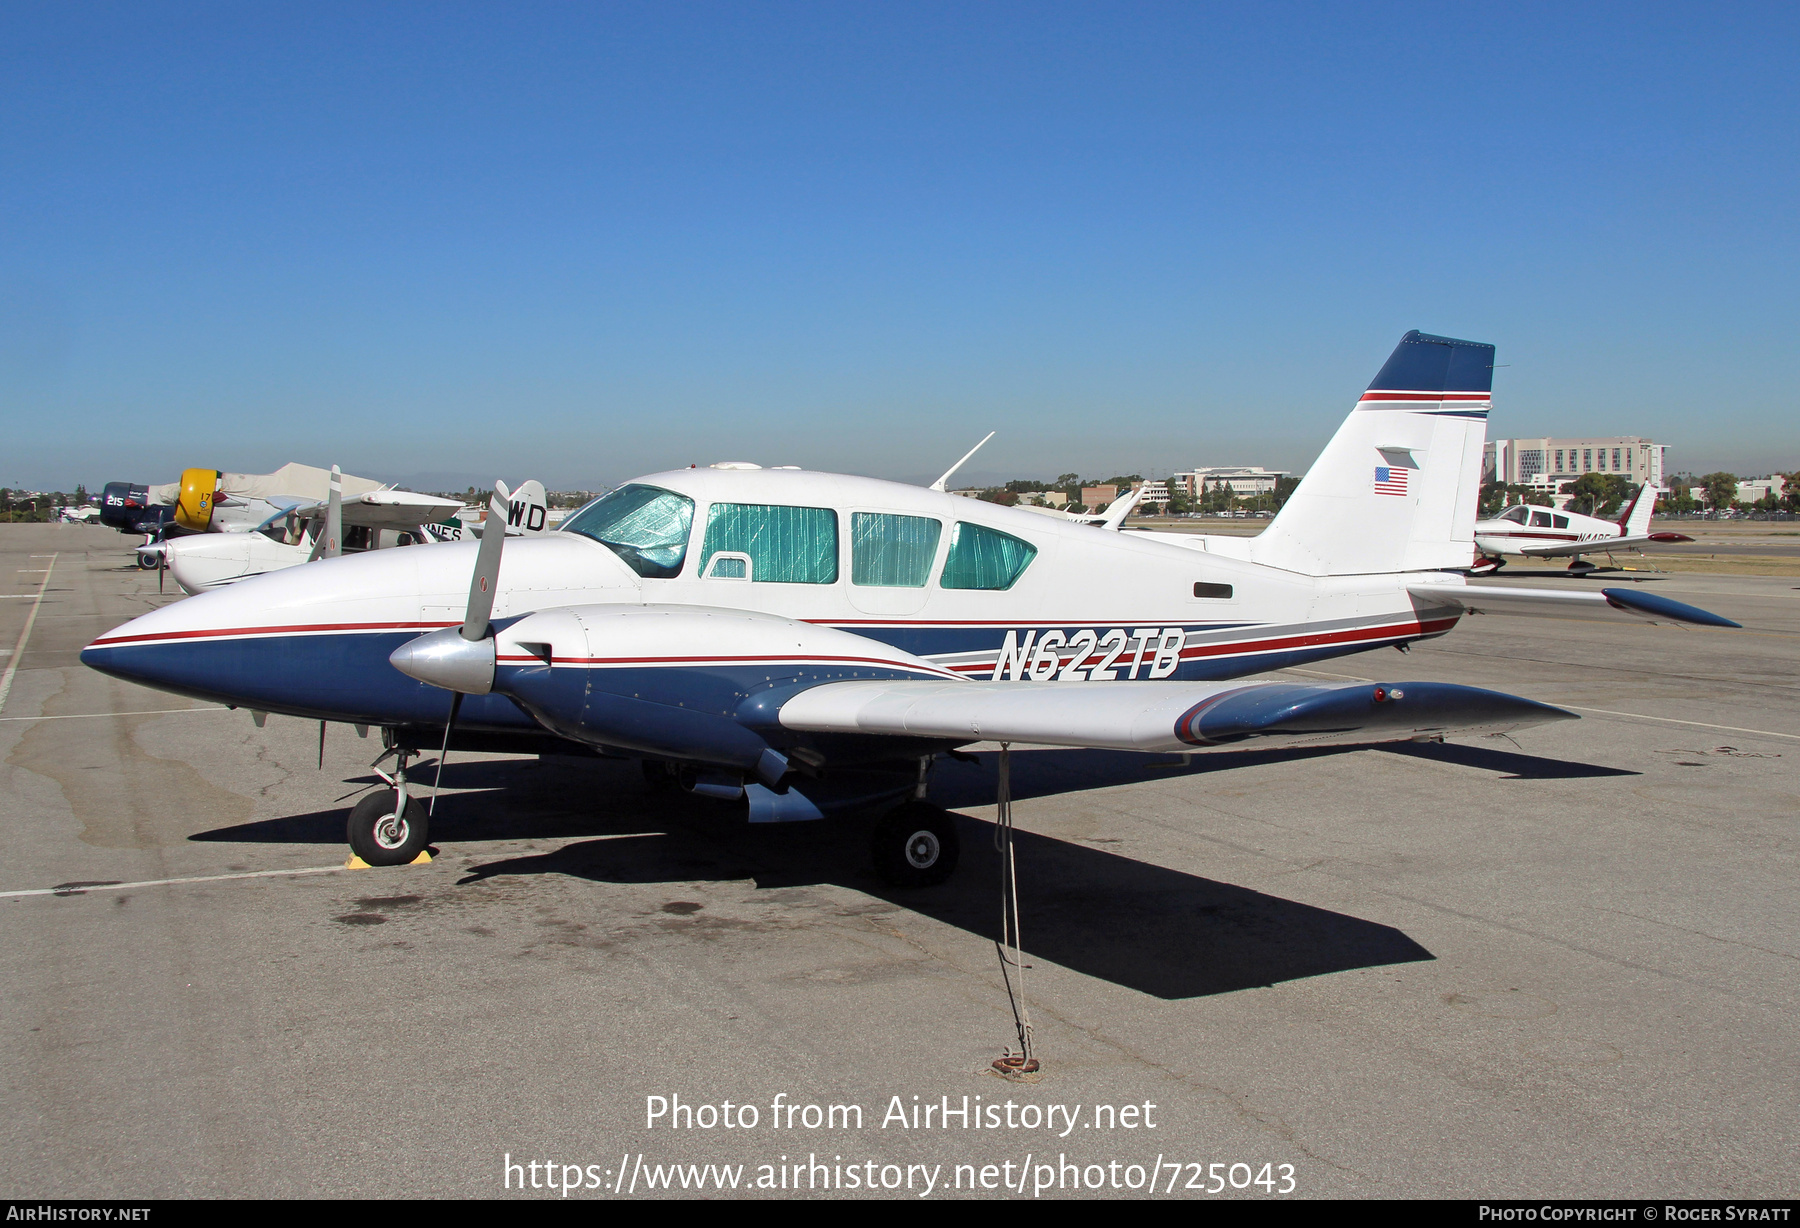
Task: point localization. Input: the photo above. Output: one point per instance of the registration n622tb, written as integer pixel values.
(1065, 656)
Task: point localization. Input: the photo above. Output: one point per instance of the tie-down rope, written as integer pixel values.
(1012, 961)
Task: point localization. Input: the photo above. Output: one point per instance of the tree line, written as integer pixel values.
(36, 507)
(1606, 494)
(1218, 498)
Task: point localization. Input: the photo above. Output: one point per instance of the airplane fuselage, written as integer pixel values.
(1086, 604)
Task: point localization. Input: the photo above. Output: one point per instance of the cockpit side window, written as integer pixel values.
(646, 526)
(785, 545)
(985, 558)
(1540, 520)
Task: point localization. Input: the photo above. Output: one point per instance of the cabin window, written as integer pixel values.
(1515, 514)
(1540, 520)
(892, 551)
(1220, 591)
(785, 545)
(985, 558)
(1560, 522)
(645, 526)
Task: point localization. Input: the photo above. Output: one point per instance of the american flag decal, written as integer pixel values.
(1390, 481)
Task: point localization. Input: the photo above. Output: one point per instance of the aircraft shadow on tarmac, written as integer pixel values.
(1159, 931)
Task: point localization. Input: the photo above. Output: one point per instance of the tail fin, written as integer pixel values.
(527, 511)
(1636, 520)
(1396, 488)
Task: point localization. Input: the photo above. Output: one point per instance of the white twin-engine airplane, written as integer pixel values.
(809, 642)
(1545, 533)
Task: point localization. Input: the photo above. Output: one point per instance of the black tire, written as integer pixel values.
(381, 842)
(915, 846)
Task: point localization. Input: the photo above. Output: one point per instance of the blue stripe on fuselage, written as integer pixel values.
(932, 642)
(343, 677)
(347, 677)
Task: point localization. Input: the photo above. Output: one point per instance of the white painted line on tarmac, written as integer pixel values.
(1669, 720)
(18, 653)
(82, 888)
(88, 716)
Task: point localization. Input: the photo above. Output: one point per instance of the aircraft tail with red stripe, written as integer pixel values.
(1636, 520)
(1396, 488)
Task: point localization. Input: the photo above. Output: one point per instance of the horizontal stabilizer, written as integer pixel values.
(1139, 716)
(1559, 603)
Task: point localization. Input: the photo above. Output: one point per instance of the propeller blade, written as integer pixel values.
(487, 566)
(455, 707)
(334, 515)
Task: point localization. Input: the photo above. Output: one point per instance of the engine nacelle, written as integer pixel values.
(679, 682)
(122, 505)
(194, 503)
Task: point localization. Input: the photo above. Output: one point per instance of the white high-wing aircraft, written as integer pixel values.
(787, 638)
(294, 531)
(1546, 533)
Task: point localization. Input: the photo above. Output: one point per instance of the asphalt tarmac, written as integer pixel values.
(1558, 967)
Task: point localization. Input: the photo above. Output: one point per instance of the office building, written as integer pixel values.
(1547, 463)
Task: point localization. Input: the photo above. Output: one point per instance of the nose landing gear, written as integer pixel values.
(389, 827)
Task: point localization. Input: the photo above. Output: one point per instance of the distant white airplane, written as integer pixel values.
(77, 515)
(1545, 533)
(292, 531)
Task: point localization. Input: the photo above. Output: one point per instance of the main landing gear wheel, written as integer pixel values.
(1486, 565)
(383, 838)
(915, 846)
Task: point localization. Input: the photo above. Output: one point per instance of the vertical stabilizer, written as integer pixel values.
(1636, 520)
(1396, 488)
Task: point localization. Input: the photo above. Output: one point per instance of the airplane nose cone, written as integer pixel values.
(444, 658)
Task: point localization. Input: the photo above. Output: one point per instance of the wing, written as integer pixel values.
(1559, 603)
(1598, 545)
(1159, 716)
(388, 509)
(1633, 541)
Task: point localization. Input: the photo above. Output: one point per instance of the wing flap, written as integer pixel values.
(1161, 717)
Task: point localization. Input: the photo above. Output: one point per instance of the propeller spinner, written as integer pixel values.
(461, 659)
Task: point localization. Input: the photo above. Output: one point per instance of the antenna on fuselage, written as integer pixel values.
(943, 482)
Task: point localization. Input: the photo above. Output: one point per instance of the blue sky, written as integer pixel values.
(579, 242)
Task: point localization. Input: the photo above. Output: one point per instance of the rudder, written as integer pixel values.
(1396, 488)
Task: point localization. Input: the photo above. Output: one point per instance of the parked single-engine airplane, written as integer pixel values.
(1545, 533)
(208, 501)
(786, 637)
(299, 531)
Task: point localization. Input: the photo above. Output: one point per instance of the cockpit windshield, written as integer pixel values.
(646, 526)
(1518, 515)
